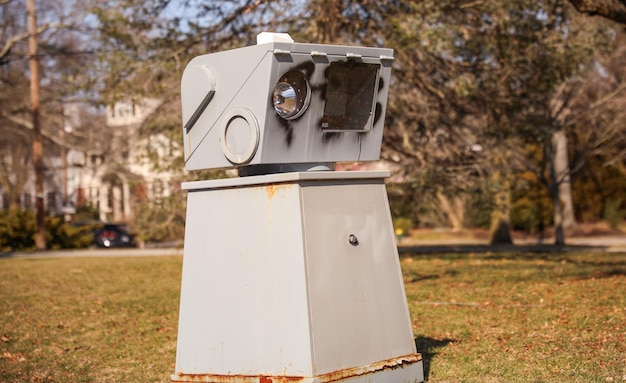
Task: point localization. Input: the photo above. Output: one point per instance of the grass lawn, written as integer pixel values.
(501, 317)
(88, 319)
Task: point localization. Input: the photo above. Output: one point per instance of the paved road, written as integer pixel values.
(606, 244)
(121, 252)
(613, 244)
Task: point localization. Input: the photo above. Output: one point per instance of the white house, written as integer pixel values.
(107, 169)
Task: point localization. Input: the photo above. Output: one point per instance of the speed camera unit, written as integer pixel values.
(282, 102)
(290, 274)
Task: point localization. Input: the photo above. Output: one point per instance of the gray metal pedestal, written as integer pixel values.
(293, 277)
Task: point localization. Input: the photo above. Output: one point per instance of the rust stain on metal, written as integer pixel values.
(334, 376)
(371, 368)
(271, 189)
(185, 378)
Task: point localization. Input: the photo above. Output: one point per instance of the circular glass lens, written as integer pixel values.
(291, 95)
(285, 100)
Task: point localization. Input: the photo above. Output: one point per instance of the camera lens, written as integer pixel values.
(291, 95)
(285, 100)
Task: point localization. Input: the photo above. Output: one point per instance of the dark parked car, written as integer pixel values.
(113, 235)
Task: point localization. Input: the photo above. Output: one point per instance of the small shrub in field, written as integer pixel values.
(402, 226)
(614, 213)
(61, 235)
(18, 228)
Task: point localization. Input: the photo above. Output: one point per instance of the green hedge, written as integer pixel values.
(18, 229)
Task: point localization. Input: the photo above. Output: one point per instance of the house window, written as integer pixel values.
(51, 202)
(27, 201)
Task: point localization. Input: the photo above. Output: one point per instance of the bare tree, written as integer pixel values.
(40, 239)
(38, 120)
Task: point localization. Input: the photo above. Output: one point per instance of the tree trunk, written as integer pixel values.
(556, 168)
(500, 232)
(40, 238)
(559, 237)
(454, 211)
(563, 180)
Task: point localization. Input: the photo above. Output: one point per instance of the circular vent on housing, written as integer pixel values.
(239, 135)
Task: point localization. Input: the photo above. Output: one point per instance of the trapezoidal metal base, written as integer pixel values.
(293, 277)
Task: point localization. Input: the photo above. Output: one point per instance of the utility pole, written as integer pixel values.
(64, 164)
(33, 61)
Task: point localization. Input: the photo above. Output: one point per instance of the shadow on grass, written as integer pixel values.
(413, 277)
(471, 248)
(428, 347)
(597, 263)
(563, 258)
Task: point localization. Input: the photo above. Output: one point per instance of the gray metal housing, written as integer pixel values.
(229, 119)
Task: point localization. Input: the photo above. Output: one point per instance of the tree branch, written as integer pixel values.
(611, 9)
(608, 96)
(17, 38)
(28, 124)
